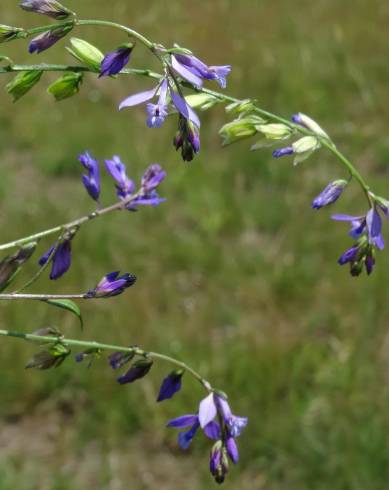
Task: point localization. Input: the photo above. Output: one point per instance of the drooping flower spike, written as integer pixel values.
(194, 70)
(367, 230)
(115, 61)
(92, 180)
(224, 430)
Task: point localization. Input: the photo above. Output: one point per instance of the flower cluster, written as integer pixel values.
(60, 253)
(224, 430)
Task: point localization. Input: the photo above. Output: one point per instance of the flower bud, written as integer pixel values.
(275, 131)
(304, 147)
(22, 83)
(12, 264)
(66, 86)
(138, 370)
(46, 359)
(240, 129)
(201, 101)
(49, 38)
(309, 123)
(86, 53)
(51, 8)
(8, 33)
(330, 194)
(240, 106)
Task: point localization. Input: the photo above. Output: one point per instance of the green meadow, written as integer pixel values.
(237, 275)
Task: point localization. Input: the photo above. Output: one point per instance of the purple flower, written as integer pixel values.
(125, 186)
(47, 39)
(50, 8)
(157, 112)
(61, 259)
(207, 410)
(152, 177)
(234, 423)
(281, 152)
(170, 385)
(119, 359)
(111, 285)
(192, 421)
(137, 371)
(92, 180)
(115, 61)
(194, 70)
(330, 194)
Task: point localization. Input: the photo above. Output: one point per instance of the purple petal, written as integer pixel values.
(345, 217)
(183, 421)
(232, 450)
(62, 260)
(224, 408)
(170, 386)
(184, 109)
(186, 73)
(207, 410)
(236, 425)
(185, 438)
(138, 98)
(212, 430)
(374, 223)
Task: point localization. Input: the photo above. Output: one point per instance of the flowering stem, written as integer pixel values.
(41, 297)
(97, 345)
(72, 224)
(220, 96)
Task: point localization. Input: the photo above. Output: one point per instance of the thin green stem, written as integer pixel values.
(146, 42)
(41, 297)
(72, 224)
(98, 345)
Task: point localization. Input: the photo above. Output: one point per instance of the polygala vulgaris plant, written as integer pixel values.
(165, 97)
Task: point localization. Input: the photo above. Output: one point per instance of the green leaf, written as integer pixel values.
(68, 305)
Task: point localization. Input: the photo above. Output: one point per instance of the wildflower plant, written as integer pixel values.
(178, 92)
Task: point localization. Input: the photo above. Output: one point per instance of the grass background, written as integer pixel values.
(237, 275)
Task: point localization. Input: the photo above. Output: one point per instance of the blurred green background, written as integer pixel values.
(237, 275)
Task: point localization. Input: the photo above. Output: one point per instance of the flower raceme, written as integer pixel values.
(225, 430)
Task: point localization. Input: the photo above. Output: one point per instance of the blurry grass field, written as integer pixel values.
(237, 275)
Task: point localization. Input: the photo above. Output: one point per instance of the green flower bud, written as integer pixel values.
(66, 86)
(86, 53)
(240, 129)
(275, 131)
(240, 106)
(46, 359)
(22, 83)
(304, 147)
(201, 101)
(8, 33)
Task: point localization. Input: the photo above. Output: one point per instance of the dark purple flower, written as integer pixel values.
(281, 152)
(330, 194)
(111, 285)
(119, 359)
(170, 385)
(137, 371)
(115, 61)
(125, 186)
(187, 138)
(47, 39)
(51, 8)
(92, 180)
(194, 70)
(350, 255)
(61, 259)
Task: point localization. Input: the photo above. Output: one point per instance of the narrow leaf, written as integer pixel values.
(68, 305)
